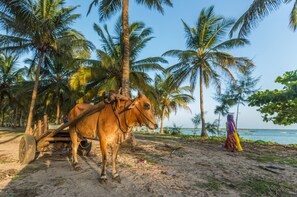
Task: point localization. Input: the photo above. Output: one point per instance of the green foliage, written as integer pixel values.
(278, 106)
(257, 11)
(175, 130)
(206, 59)
(212, 127)
(196, 120)
(105, 73)
(262, 187)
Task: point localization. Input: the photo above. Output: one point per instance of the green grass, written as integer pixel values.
(261, 187)
(145, 158)
(268, 158)
(213, 184)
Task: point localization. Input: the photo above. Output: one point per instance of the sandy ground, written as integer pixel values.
(157, 166)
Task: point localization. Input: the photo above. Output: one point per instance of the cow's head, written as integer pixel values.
(144, 111)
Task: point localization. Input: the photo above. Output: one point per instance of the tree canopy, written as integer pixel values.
(278, 106)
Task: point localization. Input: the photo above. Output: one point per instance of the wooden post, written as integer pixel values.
(45, 124)
(39, 131)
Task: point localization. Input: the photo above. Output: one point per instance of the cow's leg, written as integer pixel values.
(115, 149)
(103, 146)
(74, 146)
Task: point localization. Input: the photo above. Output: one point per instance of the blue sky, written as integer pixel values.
(273, 46)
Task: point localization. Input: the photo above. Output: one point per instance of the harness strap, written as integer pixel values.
(114, 109)
(144, 115)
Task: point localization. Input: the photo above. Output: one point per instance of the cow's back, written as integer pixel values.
(86, 126)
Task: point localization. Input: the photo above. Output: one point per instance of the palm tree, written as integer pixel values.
(108, 8)
(170, 97)
(257, 11)
(205, 60)
(42, 27)
(105, 73)
(55, 87)
(10, 75)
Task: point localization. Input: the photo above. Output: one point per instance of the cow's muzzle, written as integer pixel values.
(156, 126)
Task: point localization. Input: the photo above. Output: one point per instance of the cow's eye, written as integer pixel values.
(147, 106)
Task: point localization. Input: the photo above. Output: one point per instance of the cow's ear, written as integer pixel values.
(132, 105)
(140, 94)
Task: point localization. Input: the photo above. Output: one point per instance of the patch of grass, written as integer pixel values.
(16, 177)
(293, 145)
(262, 187)
(264, 142)
(267, 158)
(144, 157)
(124, 165)
(213, 184)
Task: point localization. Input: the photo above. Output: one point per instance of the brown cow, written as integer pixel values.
(110, 125)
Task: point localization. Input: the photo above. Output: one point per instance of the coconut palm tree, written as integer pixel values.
(107, 9)
(55, 88)
(41, 27)
(105, 73)
(170, 97)
(257, 11)
(205, 60)
(9, 74)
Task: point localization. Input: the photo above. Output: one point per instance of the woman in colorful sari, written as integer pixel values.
(232, 142)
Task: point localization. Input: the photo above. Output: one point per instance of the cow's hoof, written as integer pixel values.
(103, 179)
(76, 167)
(116, 178)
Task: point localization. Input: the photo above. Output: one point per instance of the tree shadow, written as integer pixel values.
(11, 139)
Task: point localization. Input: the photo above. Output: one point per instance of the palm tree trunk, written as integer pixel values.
(162, 120)
(58, 111)
(21, 118)
(237, 111)
(34, 94)
(126, 48)
(203, 130)
(16, 116)
(2, 121)
(126, 58)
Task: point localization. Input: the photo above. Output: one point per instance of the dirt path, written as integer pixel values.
(158, 166)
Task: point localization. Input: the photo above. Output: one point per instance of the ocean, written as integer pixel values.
(279, 136)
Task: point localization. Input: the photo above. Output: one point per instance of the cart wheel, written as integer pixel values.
(27, 149)
(84, 148)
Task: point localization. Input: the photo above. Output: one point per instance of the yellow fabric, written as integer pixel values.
(237, 141)
(239, 148)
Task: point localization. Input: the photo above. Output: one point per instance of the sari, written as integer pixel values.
(232, 142)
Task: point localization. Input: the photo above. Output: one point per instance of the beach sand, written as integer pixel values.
(157, 166)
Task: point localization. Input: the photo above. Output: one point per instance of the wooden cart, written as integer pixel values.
(43, 138)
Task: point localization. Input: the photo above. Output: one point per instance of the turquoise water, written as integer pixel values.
(273, 135)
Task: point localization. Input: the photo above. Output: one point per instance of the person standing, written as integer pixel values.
(232, 142)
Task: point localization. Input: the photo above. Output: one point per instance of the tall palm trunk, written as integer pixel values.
(162, 120)
(58, 111)
(16, 112)
(126, 58)
(203, 130)
(237, 112)
(2, 121)
(34, 94)
(126, 48)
